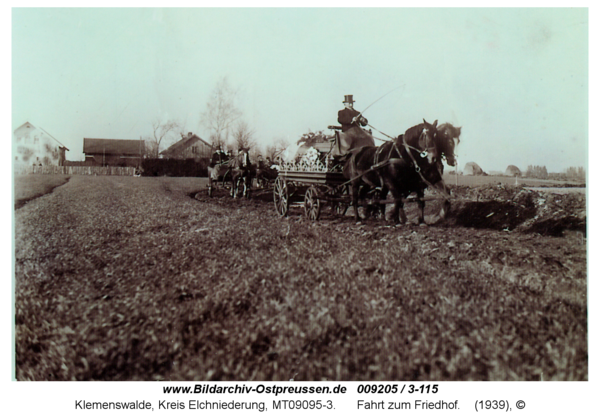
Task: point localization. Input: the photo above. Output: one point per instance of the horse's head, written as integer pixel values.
(243, 158)
(447, 138)
(427, 142)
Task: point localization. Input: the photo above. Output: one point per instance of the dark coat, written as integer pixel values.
(345, 117)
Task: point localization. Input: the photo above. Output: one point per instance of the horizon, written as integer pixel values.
(515, 80)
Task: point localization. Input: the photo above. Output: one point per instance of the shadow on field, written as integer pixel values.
(492, 214)
(521, 213)
(557, 227)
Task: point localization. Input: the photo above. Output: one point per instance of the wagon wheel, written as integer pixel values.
(339, 208)
(281, 196)
(312, 204)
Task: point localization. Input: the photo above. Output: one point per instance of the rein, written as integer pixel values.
(390, 160)
(423, 154)
(392, 139)
(379, 131)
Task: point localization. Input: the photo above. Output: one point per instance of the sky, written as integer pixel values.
(514, 79)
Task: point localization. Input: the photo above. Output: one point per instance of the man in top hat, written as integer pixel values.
(350, 117)
(353, 135)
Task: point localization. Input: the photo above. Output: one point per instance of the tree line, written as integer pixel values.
(571, 173)
(224, 121)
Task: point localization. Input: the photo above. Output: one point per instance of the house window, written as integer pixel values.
(36, 140)
(194, 149)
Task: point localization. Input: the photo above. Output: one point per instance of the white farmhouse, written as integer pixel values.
(35, 146)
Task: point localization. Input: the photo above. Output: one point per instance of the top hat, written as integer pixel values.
(348, 99)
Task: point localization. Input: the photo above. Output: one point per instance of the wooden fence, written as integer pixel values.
(75, 170)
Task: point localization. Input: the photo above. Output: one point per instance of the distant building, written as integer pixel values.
(189, 147)
(108, 152)
(35, 146)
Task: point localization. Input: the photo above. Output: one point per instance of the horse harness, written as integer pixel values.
(422, 153)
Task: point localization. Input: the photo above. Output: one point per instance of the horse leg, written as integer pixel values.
(421, 203)
(234, 186)
(382, 197)
(247, 186)
(446, 205)
(363, 191)
(354, 197)
(369, 189)
(398, 214)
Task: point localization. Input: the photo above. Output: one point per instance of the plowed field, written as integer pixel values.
(122, 278)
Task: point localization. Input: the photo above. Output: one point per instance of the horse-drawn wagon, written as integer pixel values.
(231, 172)
(409, 163)
(311, 181)
(266, 174)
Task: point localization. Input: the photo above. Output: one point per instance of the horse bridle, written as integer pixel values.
(422, 153)
(454, 155)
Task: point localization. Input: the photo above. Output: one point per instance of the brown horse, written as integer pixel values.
(218, 169)
(242, 173)
(447, 138)
(408, 164)
(265, 175)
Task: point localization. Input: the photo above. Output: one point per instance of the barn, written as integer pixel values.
(108, 152)
(512, 170)
(472, 168)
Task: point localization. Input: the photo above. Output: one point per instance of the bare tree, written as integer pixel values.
(151, 147)
(221, 113)
(243, 136)
(275, 149)
(163, 133)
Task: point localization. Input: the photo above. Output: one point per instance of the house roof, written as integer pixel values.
(27, 123)
(51, 136)
(183, 144)
(113, 147)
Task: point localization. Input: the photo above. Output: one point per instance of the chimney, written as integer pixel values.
(190, 134)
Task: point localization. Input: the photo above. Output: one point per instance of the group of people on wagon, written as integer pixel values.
(352, 136)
